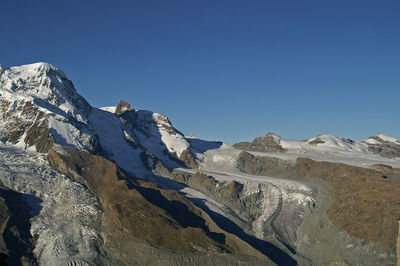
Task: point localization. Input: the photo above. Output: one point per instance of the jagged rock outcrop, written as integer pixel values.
(122, 107)
(138, 213)
(268, 143)
(234, 189)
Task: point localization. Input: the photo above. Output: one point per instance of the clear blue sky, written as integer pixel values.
(224, 70)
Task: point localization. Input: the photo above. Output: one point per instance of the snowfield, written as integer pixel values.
(67, 216)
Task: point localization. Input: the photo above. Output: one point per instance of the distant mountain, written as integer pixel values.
(384, 145)
(380, 144)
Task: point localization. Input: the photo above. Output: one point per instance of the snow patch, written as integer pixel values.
(110, 109)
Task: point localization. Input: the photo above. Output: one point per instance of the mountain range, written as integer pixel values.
(81, 185)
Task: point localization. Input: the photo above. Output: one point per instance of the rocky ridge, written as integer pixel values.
(135, 212)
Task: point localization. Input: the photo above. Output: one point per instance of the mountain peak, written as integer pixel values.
(270, 134)
(39, 68)
(122, 107)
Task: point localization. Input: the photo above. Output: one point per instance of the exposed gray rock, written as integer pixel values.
(268, 143)
(123, 107)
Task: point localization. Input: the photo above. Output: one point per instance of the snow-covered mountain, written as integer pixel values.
(267, 201)
(40, 106)
(327, 147)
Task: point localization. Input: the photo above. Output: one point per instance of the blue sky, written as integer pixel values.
(224, 70)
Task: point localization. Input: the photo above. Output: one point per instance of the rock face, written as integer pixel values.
(122, 107)
(359, 194)
(267, 166)
(268, 143)
(38, 104)
(26, 125)
(138, 213)
(188, 159)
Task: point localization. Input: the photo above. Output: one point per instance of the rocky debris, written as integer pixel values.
(359, 194)
(123, 107)
(268, 143)
(138, 214)
(16, 243)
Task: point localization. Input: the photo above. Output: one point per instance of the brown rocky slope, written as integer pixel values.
(366, 205)
(144, 224)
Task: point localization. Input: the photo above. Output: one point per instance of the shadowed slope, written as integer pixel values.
(138, 213)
